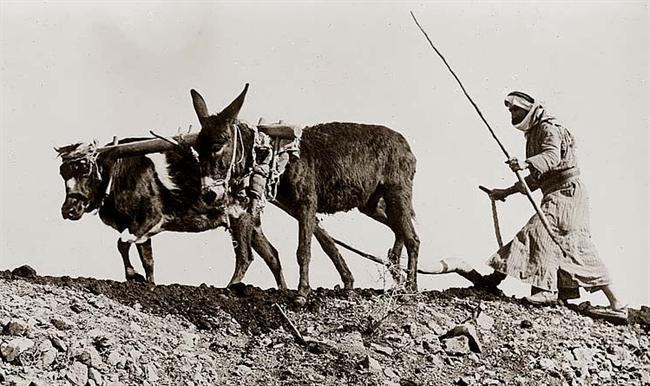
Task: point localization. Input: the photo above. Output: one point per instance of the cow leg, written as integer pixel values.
(146, 257)
(129, 271)
(306, 225)
(269, 254)
(329, 247)
(399, 213)
(241, 230)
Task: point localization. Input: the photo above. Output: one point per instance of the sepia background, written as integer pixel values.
(73, 71)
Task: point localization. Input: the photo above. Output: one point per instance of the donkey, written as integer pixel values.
(342, 166)
(141, 196)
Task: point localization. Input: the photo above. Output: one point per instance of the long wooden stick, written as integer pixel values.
(294, 330)
(527, 191)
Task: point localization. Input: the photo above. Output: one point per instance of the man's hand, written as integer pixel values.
(500, 194)
(516, 165)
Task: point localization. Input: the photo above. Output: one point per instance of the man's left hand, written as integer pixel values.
(517, 165)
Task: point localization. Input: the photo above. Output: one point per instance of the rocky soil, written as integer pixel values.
(64, 331)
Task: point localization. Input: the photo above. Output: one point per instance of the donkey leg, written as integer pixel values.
(269, 254)
(306, 225)
(146, 257)
(241, 231)
(377, 210)
(399, 212)
(329, 247)
(129, 271)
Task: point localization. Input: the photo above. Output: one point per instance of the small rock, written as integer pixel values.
(96, 376)
(484, 321)
(151, 373)
(116, 359)
(189, 339)
(58, 343)
(24, 271)
(604, 375)
(244, 370)
(12, 349)
(583, 359)
(15, 328)
(77, 374)
(457, 346)
(90, 357)
(390, 373)
(435, 327)
(48, 353)
(133, 326)
(381, 349)
(61, 323)
(371, 364)
(352, 343)
(468, 331)
(546, 364)
(394, 338)
(526, 324)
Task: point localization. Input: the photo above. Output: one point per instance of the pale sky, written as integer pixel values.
(73, 71)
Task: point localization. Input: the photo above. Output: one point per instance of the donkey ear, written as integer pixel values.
(233, 108)
(199, 105)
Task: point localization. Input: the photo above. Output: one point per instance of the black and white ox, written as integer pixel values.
(342, 166)
(141, 196)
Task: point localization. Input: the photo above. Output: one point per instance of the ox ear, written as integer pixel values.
(199, 105)
(233, 108)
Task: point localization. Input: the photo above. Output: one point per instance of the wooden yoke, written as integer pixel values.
(158, 145)
(147, 146)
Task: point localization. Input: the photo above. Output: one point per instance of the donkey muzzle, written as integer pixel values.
(213, 191)
(73, 207)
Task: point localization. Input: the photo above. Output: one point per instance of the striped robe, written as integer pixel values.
(532, 256)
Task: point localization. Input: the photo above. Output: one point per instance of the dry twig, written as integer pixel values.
(294, 330)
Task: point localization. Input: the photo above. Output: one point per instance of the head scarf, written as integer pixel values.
(536, 112)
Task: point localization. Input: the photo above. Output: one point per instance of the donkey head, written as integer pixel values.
(216, 145)
(82, 178)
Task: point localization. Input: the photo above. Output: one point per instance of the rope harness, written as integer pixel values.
(87, 155)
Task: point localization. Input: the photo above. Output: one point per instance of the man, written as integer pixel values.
(555, 265)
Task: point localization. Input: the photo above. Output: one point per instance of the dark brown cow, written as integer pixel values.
(342, 166)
